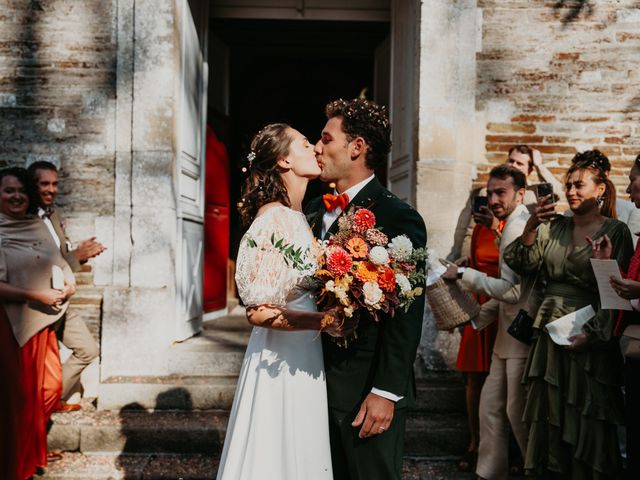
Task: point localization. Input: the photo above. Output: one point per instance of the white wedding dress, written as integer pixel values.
(278, 428)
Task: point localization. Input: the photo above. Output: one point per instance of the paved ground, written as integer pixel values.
(76, 466)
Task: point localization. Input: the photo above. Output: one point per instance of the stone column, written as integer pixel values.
(139, 307)
(450, 141)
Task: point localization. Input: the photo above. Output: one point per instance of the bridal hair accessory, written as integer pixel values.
(250, 158)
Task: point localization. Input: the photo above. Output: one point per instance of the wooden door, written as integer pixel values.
(190, 168)
(404, 98)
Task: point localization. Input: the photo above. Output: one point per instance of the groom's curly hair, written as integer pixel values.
(366, 119)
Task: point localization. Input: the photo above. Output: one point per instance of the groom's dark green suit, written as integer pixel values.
(382, 356)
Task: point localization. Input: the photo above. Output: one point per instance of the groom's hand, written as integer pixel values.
(375, 416)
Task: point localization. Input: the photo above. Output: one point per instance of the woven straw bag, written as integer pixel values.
(450, 304)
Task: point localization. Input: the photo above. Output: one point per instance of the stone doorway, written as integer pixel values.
(264, 71)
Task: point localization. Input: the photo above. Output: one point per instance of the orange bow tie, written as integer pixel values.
(331, 202)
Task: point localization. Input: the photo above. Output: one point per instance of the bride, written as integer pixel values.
(278, 427)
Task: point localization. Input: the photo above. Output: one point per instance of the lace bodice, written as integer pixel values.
(275, 255)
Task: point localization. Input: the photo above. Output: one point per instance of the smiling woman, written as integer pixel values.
(574, 401)
(29, 308)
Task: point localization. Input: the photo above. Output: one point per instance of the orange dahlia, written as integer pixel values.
(357, 247)
(366, 272)
(363, 220)
(387, 280)
(338, 261)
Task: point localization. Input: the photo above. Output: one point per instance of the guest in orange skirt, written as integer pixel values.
(476, 347)
(30, 264)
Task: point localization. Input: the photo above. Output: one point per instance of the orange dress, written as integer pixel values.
(32, 385)
(476, 347)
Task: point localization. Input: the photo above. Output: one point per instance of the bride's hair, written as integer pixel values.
(264, 183)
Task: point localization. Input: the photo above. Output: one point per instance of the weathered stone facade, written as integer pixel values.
(561, 79)
(94, 87)
(560, 76)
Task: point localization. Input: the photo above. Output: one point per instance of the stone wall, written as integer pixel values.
(57, 103)
(57, 94)
(560, 79)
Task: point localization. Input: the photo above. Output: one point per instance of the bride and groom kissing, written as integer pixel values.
(305, 407)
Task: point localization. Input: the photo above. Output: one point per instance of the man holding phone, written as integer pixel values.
(502, 399)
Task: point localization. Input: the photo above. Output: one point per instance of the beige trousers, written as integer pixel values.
(74, 334)
(501, 404)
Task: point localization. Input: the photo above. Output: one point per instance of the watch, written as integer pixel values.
(461, 271)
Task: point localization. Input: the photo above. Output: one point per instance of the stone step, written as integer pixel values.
(167, 392)
(217, 350)
(204, 392)
(165, 431)
(78, 466)
(440, 392)
(86, 295)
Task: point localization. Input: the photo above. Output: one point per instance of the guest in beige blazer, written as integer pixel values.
(502, 398)
(71, 329)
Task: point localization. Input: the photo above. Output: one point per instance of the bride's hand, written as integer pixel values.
(337, 324)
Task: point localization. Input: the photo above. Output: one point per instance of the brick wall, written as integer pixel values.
(57, 101)
(560, 79)
(57, 90)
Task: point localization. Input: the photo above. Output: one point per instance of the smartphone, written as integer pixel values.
(478, 203)
(544, 189)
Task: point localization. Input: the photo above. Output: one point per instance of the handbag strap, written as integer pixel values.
(535, 281)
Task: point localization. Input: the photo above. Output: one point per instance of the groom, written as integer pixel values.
(370, 384)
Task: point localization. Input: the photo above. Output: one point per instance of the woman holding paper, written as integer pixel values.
(574, 402)
(29, 307)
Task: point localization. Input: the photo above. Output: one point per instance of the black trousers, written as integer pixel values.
(374, 458)
(632, 414)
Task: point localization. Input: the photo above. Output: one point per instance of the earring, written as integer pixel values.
(600, 201)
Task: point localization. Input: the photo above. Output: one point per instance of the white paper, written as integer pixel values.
(434, 273)
(57, 277)
(609, 299)
(571, 324)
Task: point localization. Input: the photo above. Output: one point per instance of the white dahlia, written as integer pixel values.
(403, 282)
(372, 293)
(379, 256)
(401, 248)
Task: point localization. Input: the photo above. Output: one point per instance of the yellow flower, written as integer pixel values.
(367, 272)
(357, 247)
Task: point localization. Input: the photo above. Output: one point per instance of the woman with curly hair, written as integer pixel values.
(574, 401)
(278, 426)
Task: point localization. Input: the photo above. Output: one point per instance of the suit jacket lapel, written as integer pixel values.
(315, 220)
(365, 198)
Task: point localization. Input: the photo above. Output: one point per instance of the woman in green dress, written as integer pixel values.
(574, 401)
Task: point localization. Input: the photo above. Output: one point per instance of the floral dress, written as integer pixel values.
(574, 401)
(278, 426)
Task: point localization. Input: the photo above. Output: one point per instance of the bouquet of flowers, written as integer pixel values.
(360, 269)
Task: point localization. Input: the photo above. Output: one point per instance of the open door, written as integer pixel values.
(404, 35)
(190, 167)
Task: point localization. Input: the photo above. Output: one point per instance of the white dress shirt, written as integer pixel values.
(330, 217)
(47, 221)
(327, 220)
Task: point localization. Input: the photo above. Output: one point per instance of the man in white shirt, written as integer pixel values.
(71, 329)
(370, 383)
(503, 397)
